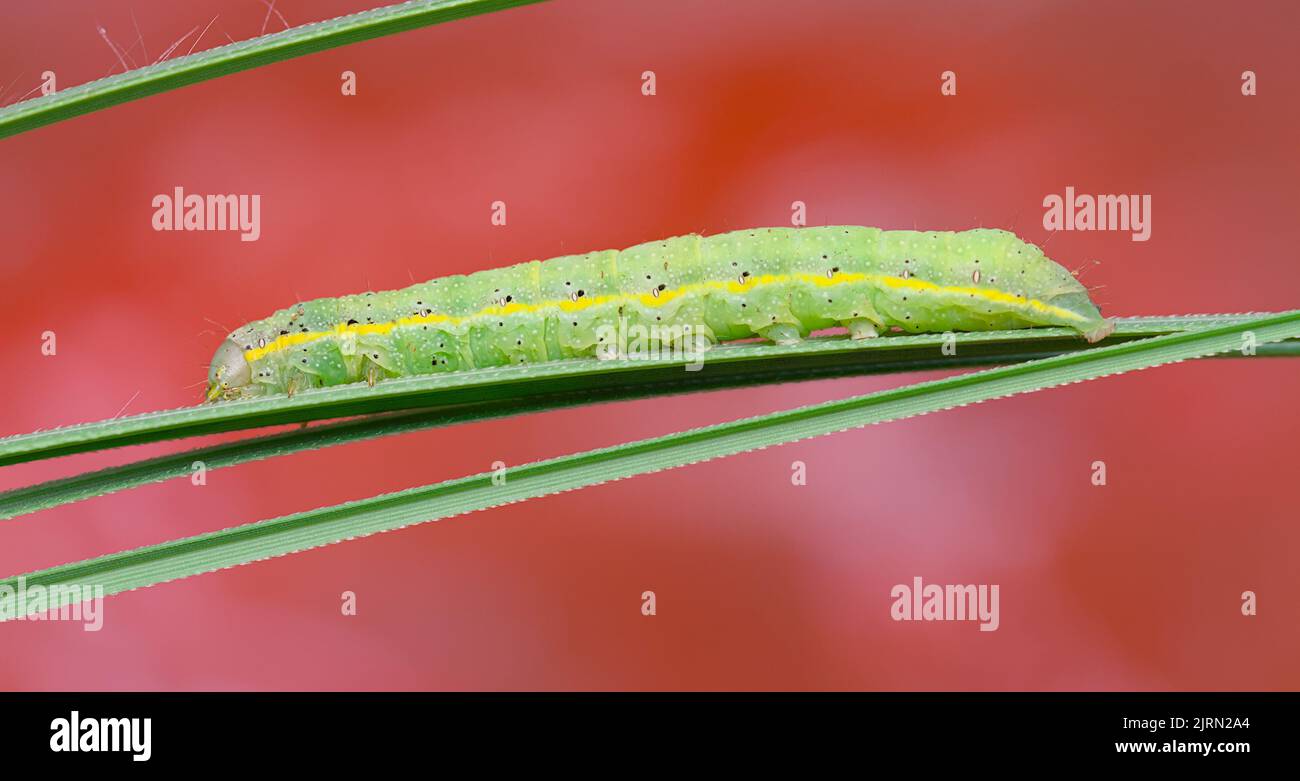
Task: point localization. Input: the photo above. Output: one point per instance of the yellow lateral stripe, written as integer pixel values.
(663, 297)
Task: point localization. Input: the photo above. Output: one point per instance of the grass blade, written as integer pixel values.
(235, 57)
(182, 558)
(53, 493)
(462, 392)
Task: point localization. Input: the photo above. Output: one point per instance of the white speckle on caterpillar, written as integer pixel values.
(780, 283)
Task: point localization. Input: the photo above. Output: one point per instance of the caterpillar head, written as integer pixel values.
(1060, 289)
(1090, 322)
(229, 372)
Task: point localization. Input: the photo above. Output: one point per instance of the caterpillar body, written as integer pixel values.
(776, 283)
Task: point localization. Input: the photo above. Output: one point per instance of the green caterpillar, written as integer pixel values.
(777, 283)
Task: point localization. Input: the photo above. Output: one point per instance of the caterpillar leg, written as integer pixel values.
(781, 333)
(861, 329)
(694, 341)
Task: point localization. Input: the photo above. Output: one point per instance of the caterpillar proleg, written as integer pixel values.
(777, 283)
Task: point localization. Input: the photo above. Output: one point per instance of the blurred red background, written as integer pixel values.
(760, 583)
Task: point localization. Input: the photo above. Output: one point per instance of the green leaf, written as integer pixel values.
(182, 558)
(235, 57)
(834, 357)
(499, 388)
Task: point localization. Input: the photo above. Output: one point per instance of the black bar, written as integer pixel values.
(211, 731)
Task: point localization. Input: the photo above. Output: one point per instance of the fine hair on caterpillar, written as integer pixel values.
(678, 294)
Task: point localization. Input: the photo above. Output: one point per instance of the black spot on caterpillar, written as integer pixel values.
(929, 281)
